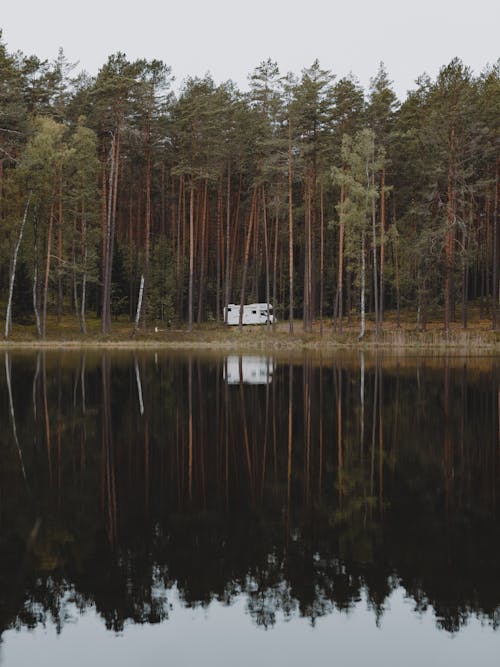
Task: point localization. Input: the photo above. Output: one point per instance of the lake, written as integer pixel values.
(191, 510)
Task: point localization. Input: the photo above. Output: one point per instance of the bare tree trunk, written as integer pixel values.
(147, 245)
(363, 286)
(382, 250)
(340, 276)
(496, 305)
(191, 257)
(59, 252)
(35, 280)
(83, 322)
(139, 307)
(396, 262)
(374, 242)
(449, 233)
(110, 233)
(290, 226)
(245, 258)
(8, 315)
(275, 259)
(266, 252)
(47, 271)
(321, 260)
(228, 241)
(203, 244)
(218, 258)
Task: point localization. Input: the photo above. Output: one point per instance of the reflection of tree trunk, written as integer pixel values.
(307, 427)
(266, 430)
(12, 415)
(340, 455)
(245, 429)
(109, 486)
(362, 403)
(380, 441)
(47, 418)
(82, 382)
(396, 417)
(139, 386)
(146, 467)
(447, 458)
(374, 432)
(202, 437)
(190, 417)
(320, 474)
(34, 390)
(226, 435)
(290, 439)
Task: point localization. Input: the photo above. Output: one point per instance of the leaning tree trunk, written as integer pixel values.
(8, 315)
(139, 307)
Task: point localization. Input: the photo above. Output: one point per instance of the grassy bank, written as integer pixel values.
(478, 337)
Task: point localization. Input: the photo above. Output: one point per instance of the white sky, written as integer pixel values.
(230, 38)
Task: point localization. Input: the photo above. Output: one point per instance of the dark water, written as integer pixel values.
(176, 510)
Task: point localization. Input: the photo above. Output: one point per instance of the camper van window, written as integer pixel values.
(229, 310)
(254, 312)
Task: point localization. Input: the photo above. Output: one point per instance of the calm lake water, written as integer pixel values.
(184, 510)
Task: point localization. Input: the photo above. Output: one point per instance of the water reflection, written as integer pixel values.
(248, 369)
(124, 477)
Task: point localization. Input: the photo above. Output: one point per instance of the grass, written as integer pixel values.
(478, 337)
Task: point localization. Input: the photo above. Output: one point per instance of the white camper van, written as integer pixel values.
(253, 313)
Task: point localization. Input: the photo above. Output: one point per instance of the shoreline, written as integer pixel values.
(471, 342)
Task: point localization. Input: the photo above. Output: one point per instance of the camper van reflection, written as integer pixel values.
(248, 370)
(253, 313)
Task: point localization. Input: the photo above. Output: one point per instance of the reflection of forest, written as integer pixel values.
(122, 475)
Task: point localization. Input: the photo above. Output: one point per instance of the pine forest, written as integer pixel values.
(129, 197)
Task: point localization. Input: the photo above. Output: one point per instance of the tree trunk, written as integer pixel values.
(83, 321)
(266, 252)
(382, 250)
(290, 227)
(35, 279)
(147, 245)
(245, 258)
(60, 252)
(228, 240)
(47, 271)
(139, 307)
(8, 315)
(191, 257)
(109, 237)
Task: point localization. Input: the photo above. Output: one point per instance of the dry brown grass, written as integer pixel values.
(477, 338)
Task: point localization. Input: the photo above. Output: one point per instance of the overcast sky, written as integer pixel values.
(230, 38)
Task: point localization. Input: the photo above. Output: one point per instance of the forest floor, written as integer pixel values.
(478, 337)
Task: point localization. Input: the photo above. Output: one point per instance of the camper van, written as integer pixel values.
(253, 313)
